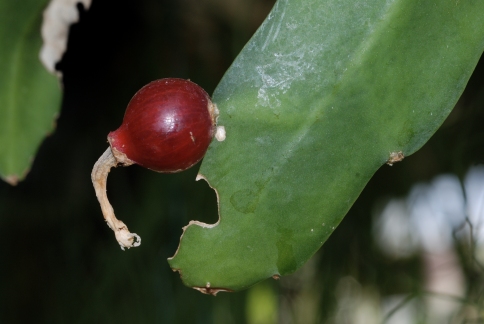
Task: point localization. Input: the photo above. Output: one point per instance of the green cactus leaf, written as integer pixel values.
(323, 95)
(29, 95)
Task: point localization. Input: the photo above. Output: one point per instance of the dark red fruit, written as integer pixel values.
(167, 126)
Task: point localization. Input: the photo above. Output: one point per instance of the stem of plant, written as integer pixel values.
(99, 176)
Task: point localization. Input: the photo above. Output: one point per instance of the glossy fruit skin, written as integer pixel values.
(167, 127)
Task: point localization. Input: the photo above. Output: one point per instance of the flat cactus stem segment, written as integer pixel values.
(323, 95)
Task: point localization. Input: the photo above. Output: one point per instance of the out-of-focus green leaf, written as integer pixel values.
(29, 95)
(313, 106)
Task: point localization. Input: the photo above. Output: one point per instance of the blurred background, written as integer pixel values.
(411, 250)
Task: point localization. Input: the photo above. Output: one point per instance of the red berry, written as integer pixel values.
(167, 127)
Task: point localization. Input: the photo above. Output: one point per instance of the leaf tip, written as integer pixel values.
(11, 179)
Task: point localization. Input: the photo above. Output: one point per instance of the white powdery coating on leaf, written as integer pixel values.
(284, 69)
(58, 17)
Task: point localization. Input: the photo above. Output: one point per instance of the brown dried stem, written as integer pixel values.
(99, 178)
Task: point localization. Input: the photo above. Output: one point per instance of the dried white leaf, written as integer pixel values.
(58, 17)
